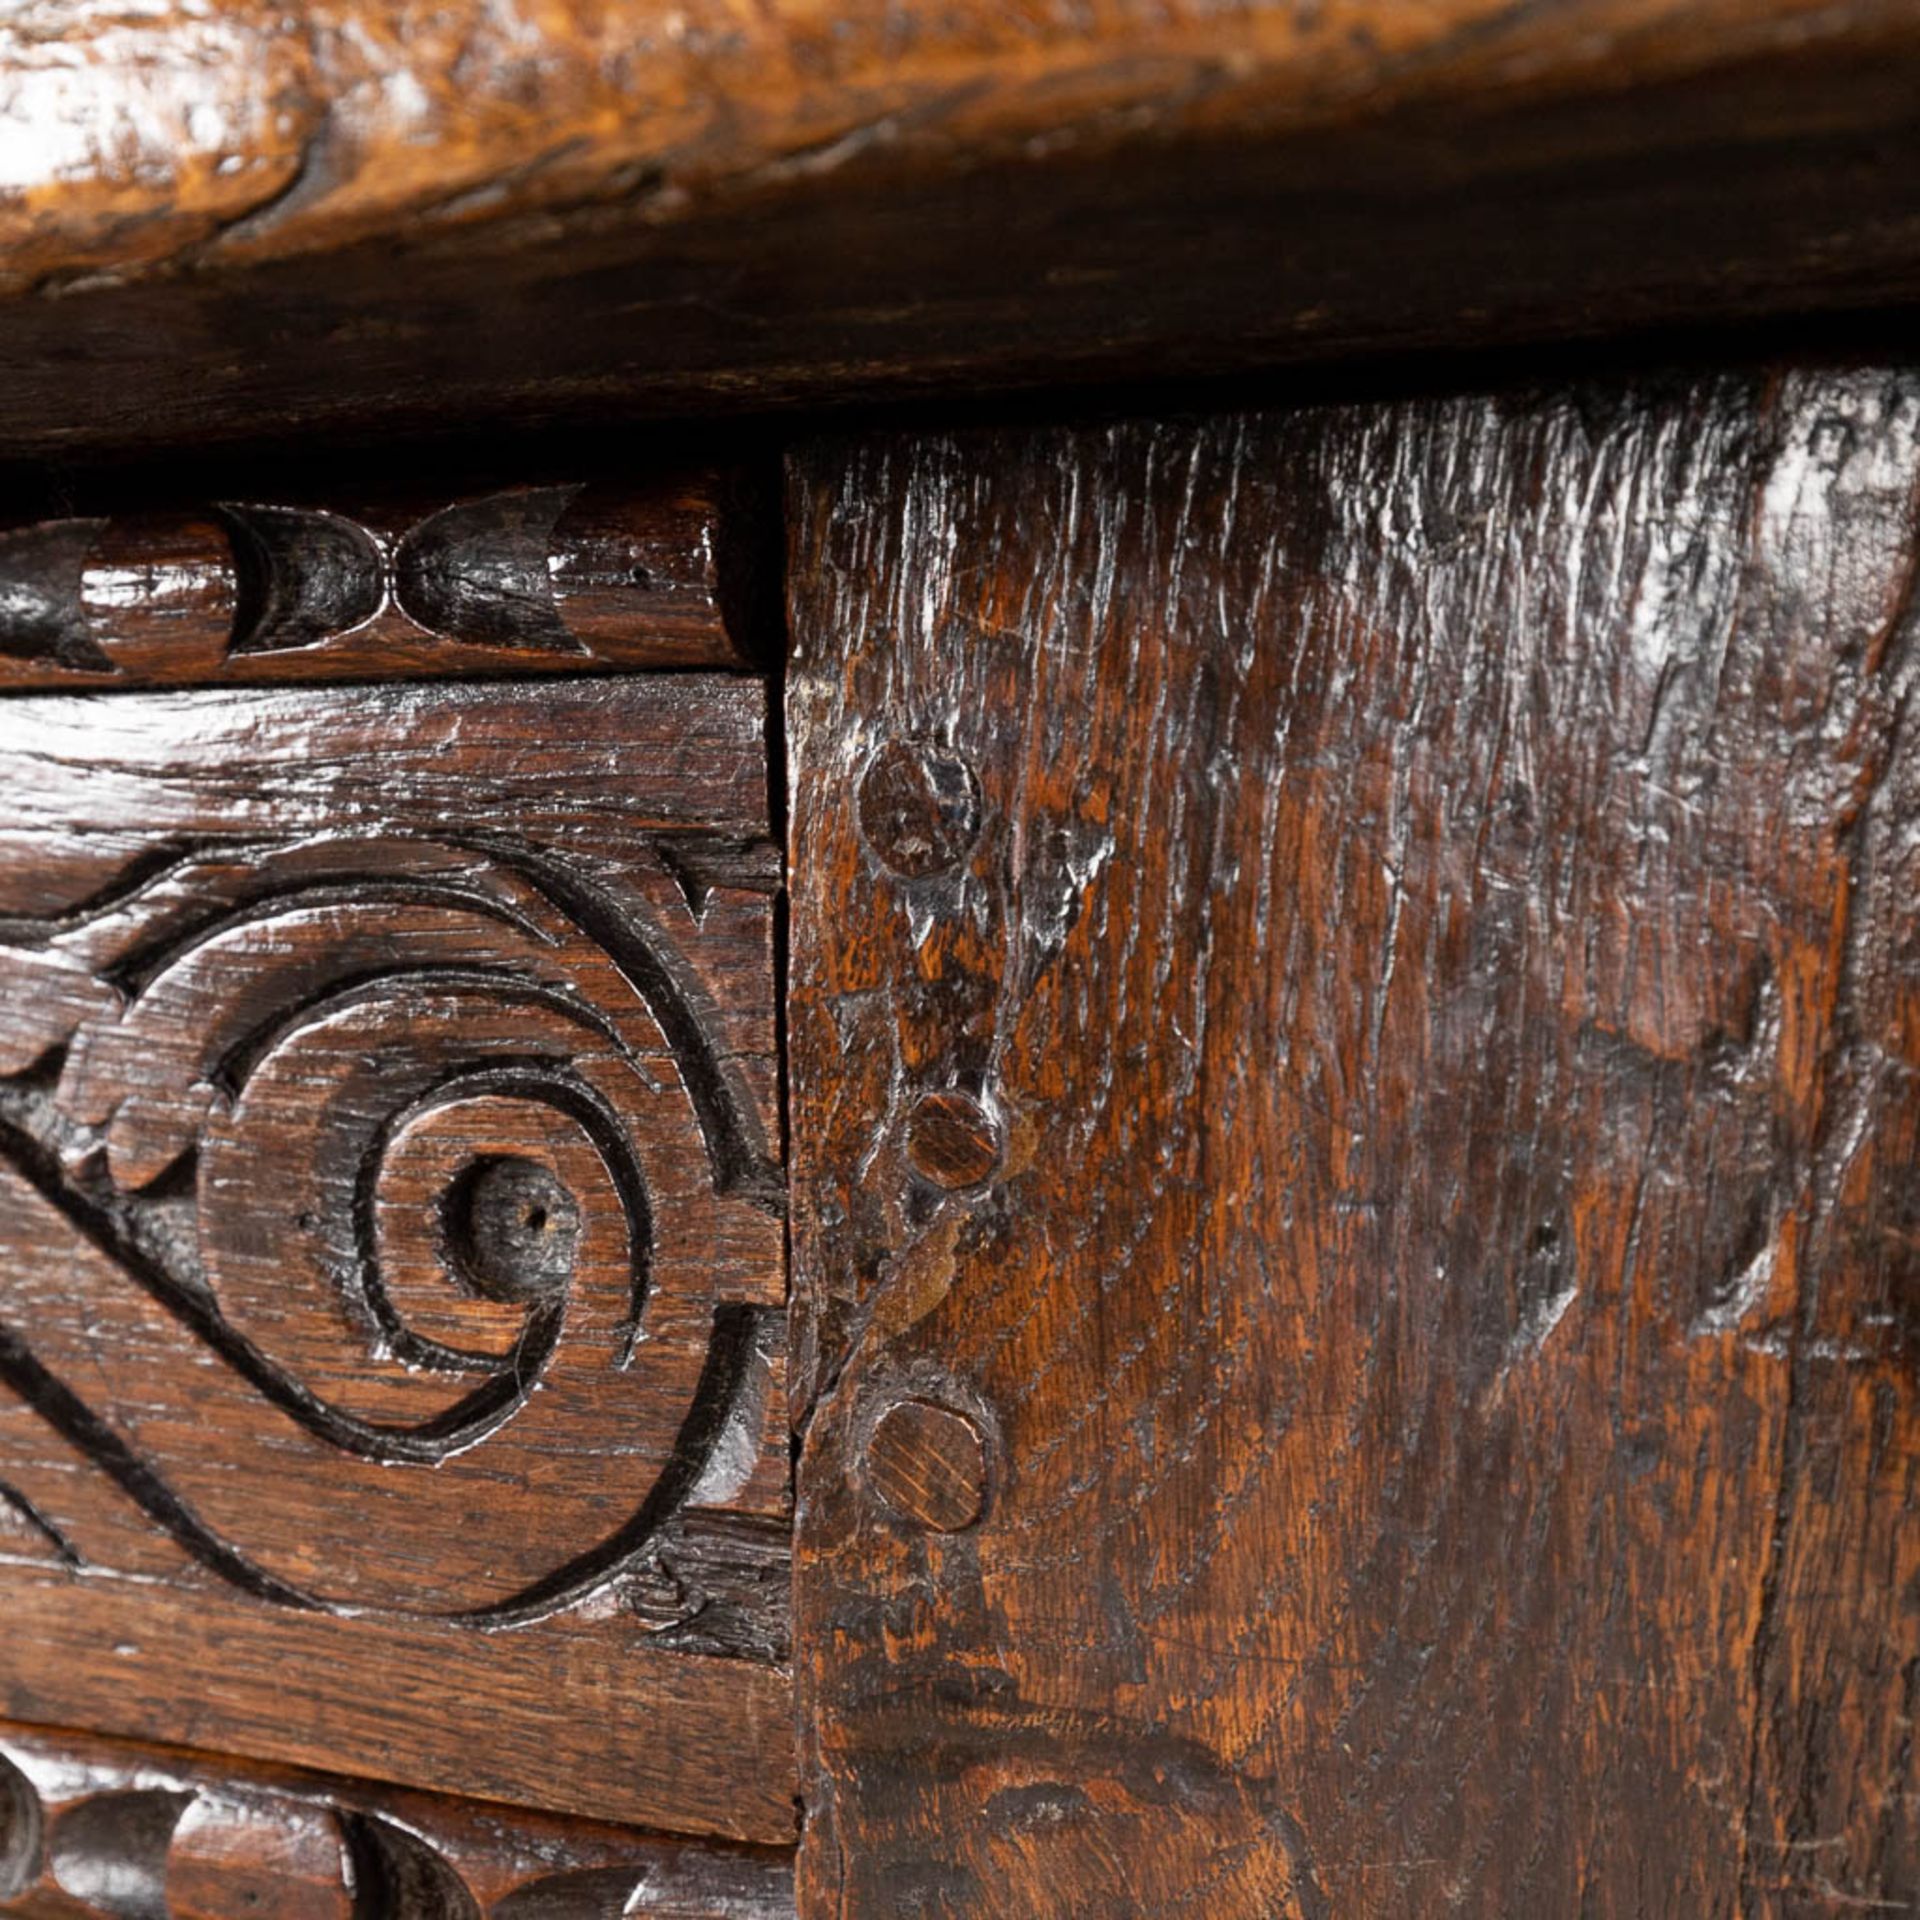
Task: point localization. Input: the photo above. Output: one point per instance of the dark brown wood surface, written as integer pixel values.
(1355, 1074)
(546, 578)
(96, 1829)
(258, 219)
(392, 1370)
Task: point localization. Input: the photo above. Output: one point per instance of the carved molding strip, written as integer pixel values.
(107, 1829)
(552, 577)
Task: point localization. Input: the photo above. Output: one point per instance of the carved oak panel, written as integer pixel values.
(391, 1366)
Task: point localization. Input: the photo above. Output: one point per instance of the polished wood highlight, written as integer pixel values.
(96, 1829)
(562, 577)
(1423, 909)
(392, 1369)
(250, 219)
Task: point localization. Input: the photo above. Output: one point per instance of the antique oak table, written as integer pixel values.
(959, 961)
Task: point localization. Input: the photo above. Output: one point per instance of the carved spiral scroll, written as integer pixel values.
(427, 1147)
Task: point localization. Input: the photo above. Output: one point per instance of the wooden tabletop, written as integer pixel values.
(223, 219)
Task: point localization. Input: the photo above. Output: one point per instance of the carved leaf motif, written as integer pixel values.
(111, 1851)
(479, 571)
(398, 1876)
(21, 1827)
(41, 616)
(302, 575)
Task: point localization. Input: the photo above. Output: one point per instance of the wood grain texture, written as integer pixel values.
(248, 218)
(103, 1830)
(1440, 949)
(392, 1372)
(565, 578)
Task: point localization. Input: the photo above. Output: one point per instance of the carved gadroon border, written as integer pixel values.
(89, 1829)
